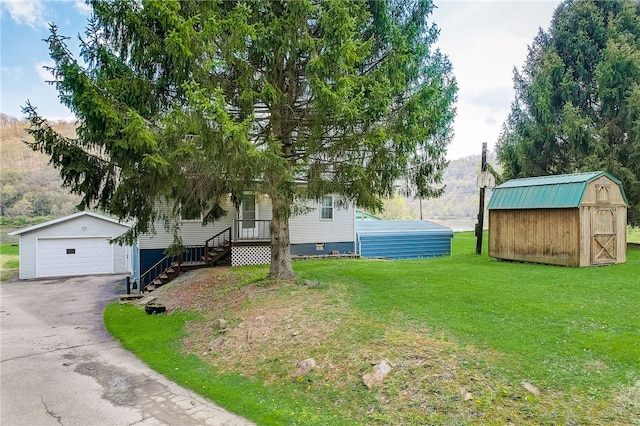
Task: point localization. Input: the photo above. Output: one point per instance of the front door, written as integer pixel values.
(248, 216)
(603, 244)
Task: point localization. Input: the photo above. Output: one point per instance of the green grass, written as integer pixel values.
(633, 234)
(484, 325)
(9, 261)
(9, 250)
(155, 341)
(552, 323)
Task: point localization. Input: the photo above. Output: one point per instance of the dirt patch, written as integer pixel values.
(263, 330)
(269, 327)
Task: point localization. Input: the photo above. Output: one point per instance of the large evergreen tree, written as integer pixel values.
(195, 100)
(577, 105)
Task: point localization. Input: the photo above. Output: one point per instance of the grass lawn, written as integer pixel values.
(633, 234)
(470, 339)
(9, 261)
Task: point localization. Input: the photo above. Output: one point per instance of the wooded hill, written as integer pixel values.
(460, 199)
(31, 187)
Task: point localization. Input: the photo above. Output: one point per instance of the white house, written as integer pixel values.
(78, 244)
(325, 228)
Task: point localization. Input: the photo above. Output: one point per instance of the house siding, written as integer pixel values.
(313, 249)
(305, 232)
(303, 229)
(192, 231)
(310, 229)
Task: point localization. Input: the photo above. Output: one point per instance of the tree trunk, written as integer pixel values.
(281, 268)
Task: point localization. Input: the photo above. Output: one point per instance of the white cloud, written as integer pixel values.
(485, 40)
(43, 73)
(83, 7)
(26, 12)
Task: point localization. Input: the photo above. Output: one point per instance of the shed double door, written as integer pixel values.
(603, 242)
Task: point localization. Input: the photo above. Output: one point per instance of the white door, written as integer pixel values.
(248, 216)
(74, 256)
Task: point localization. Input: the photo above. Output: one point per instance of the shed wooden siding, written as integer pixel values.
(589, 221)
(573, 220)
(615, 197)
(536, 235)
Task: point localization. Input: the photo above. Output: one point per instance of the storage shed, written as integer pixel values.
(574, 220)
(78, 244)
(402, 239)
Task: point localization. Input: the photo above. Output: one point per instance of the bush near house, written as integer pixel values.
(470, 340)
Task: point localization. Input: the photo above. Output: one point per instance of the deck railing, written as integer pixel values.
(253, 230)
(221, 239)
(158, 269)
(191, 255)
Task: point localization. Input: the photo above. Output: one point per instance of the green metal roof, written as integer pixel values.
(367, 216)
(545, 192)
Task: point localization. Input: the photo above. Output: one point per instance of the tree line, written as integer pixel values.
(577, 103)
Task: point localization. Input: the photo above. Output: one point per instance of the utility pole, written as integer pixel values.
(481, 184)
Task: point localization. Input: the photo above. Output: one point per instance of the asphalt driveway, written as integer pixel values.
(59, 366)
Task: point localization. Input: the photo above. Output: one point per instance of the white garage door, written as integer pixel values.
(74, 256)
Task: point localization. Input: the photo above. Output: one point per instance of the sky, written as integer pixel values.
(484, 40)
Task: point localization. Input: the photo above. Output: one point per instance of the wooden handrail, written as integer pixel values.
(215, 242)
(191, 254)
(156, 270)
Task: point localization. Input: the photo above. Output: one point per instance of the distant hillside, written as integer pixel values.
(459, 202)
(29, 185)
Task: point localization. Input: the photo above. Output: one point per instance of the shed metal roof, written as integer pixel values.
(545, 192)
(400, 227)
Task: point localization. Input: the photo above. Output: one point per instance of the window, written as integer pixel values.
(326, 208)
(71, 251)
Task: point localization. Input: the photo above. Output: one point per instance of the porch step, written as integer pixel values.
(176, 267)
(128, 297)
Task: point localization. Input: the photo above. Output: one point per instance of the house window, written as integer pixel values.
(71, 251)
(326, 208)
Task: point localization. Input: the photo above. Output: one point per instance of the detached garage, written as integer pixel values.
(78, 244)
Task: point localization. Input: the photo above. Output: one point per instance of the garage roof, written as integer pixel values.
(66, 218)
(545, 192)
